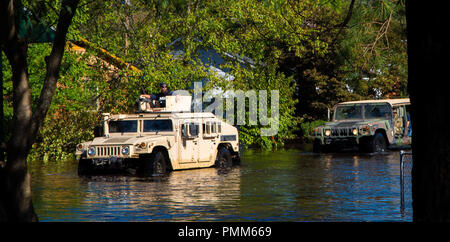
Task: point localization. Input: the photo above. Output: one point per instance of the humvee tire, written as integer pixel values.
(376, 143)
(223, 159)
(155, 164)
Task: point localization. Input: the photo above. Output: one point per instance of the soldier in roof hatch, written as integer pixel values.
(160, 97)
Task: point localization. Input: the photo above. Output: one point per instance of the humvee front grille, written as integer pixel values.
(106, 151)
(341, 132)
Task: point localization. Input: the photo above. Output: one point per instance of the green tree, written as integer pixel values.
(15, 199)
(197, 26)
(317, 49)
(373, 50)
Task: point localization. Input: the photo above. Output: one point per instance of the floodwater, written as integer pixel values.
(285, 185)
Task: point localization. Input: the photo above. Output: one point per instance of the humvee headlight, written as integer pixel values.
(327, 132)
(91, 151)
(142, 145)
(355, 131)
(79, 146)
(125, 150)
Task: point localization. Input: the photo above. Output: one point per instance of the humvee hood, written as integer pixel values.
(342, 124)
(117, 140)
(123, 140)
(351, 123)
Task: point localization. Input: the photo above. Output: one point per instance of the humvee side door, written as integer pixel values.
(401, 125)
(189, 147)
(208, 141)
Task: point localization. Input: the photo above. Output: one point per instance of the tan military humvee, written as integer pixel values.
(371, 125)
(157, 140)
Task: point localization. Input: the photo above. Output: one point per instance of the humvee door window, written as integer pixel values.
(161, 125)
(377, 111)
(208, 127)
(348, 112)
(193, 129)
(213, 127)
(123, 126)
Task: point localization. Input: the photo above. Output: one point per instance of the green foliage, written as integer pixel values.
(308, 128)
(62, 131)
(72, 116)
(202, 26)
(373, 51)
(265, 78)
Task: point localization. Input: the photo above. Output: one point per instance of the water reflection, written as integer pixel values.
(287, 185)
(363, 188)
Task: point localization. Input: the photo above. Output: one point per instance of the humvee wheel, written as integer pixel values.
(155, 165)
(377, 143)
(223, 159)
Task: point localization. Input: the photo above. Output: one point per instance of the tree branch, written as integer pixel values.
(68, 9)
(345, 22)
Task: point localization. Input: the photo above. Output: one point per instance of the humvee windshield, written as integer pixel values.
(348, 112)
(371, 111)
(377, 110)
(123, 126)
(160, 125)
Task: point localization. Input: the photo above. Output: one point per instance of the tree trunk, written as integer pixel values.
(428, 57)
(15, 181)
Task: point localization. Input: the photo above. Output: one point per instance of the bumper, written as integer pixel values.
(89, 166)
(111, 162)
(341, 141)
